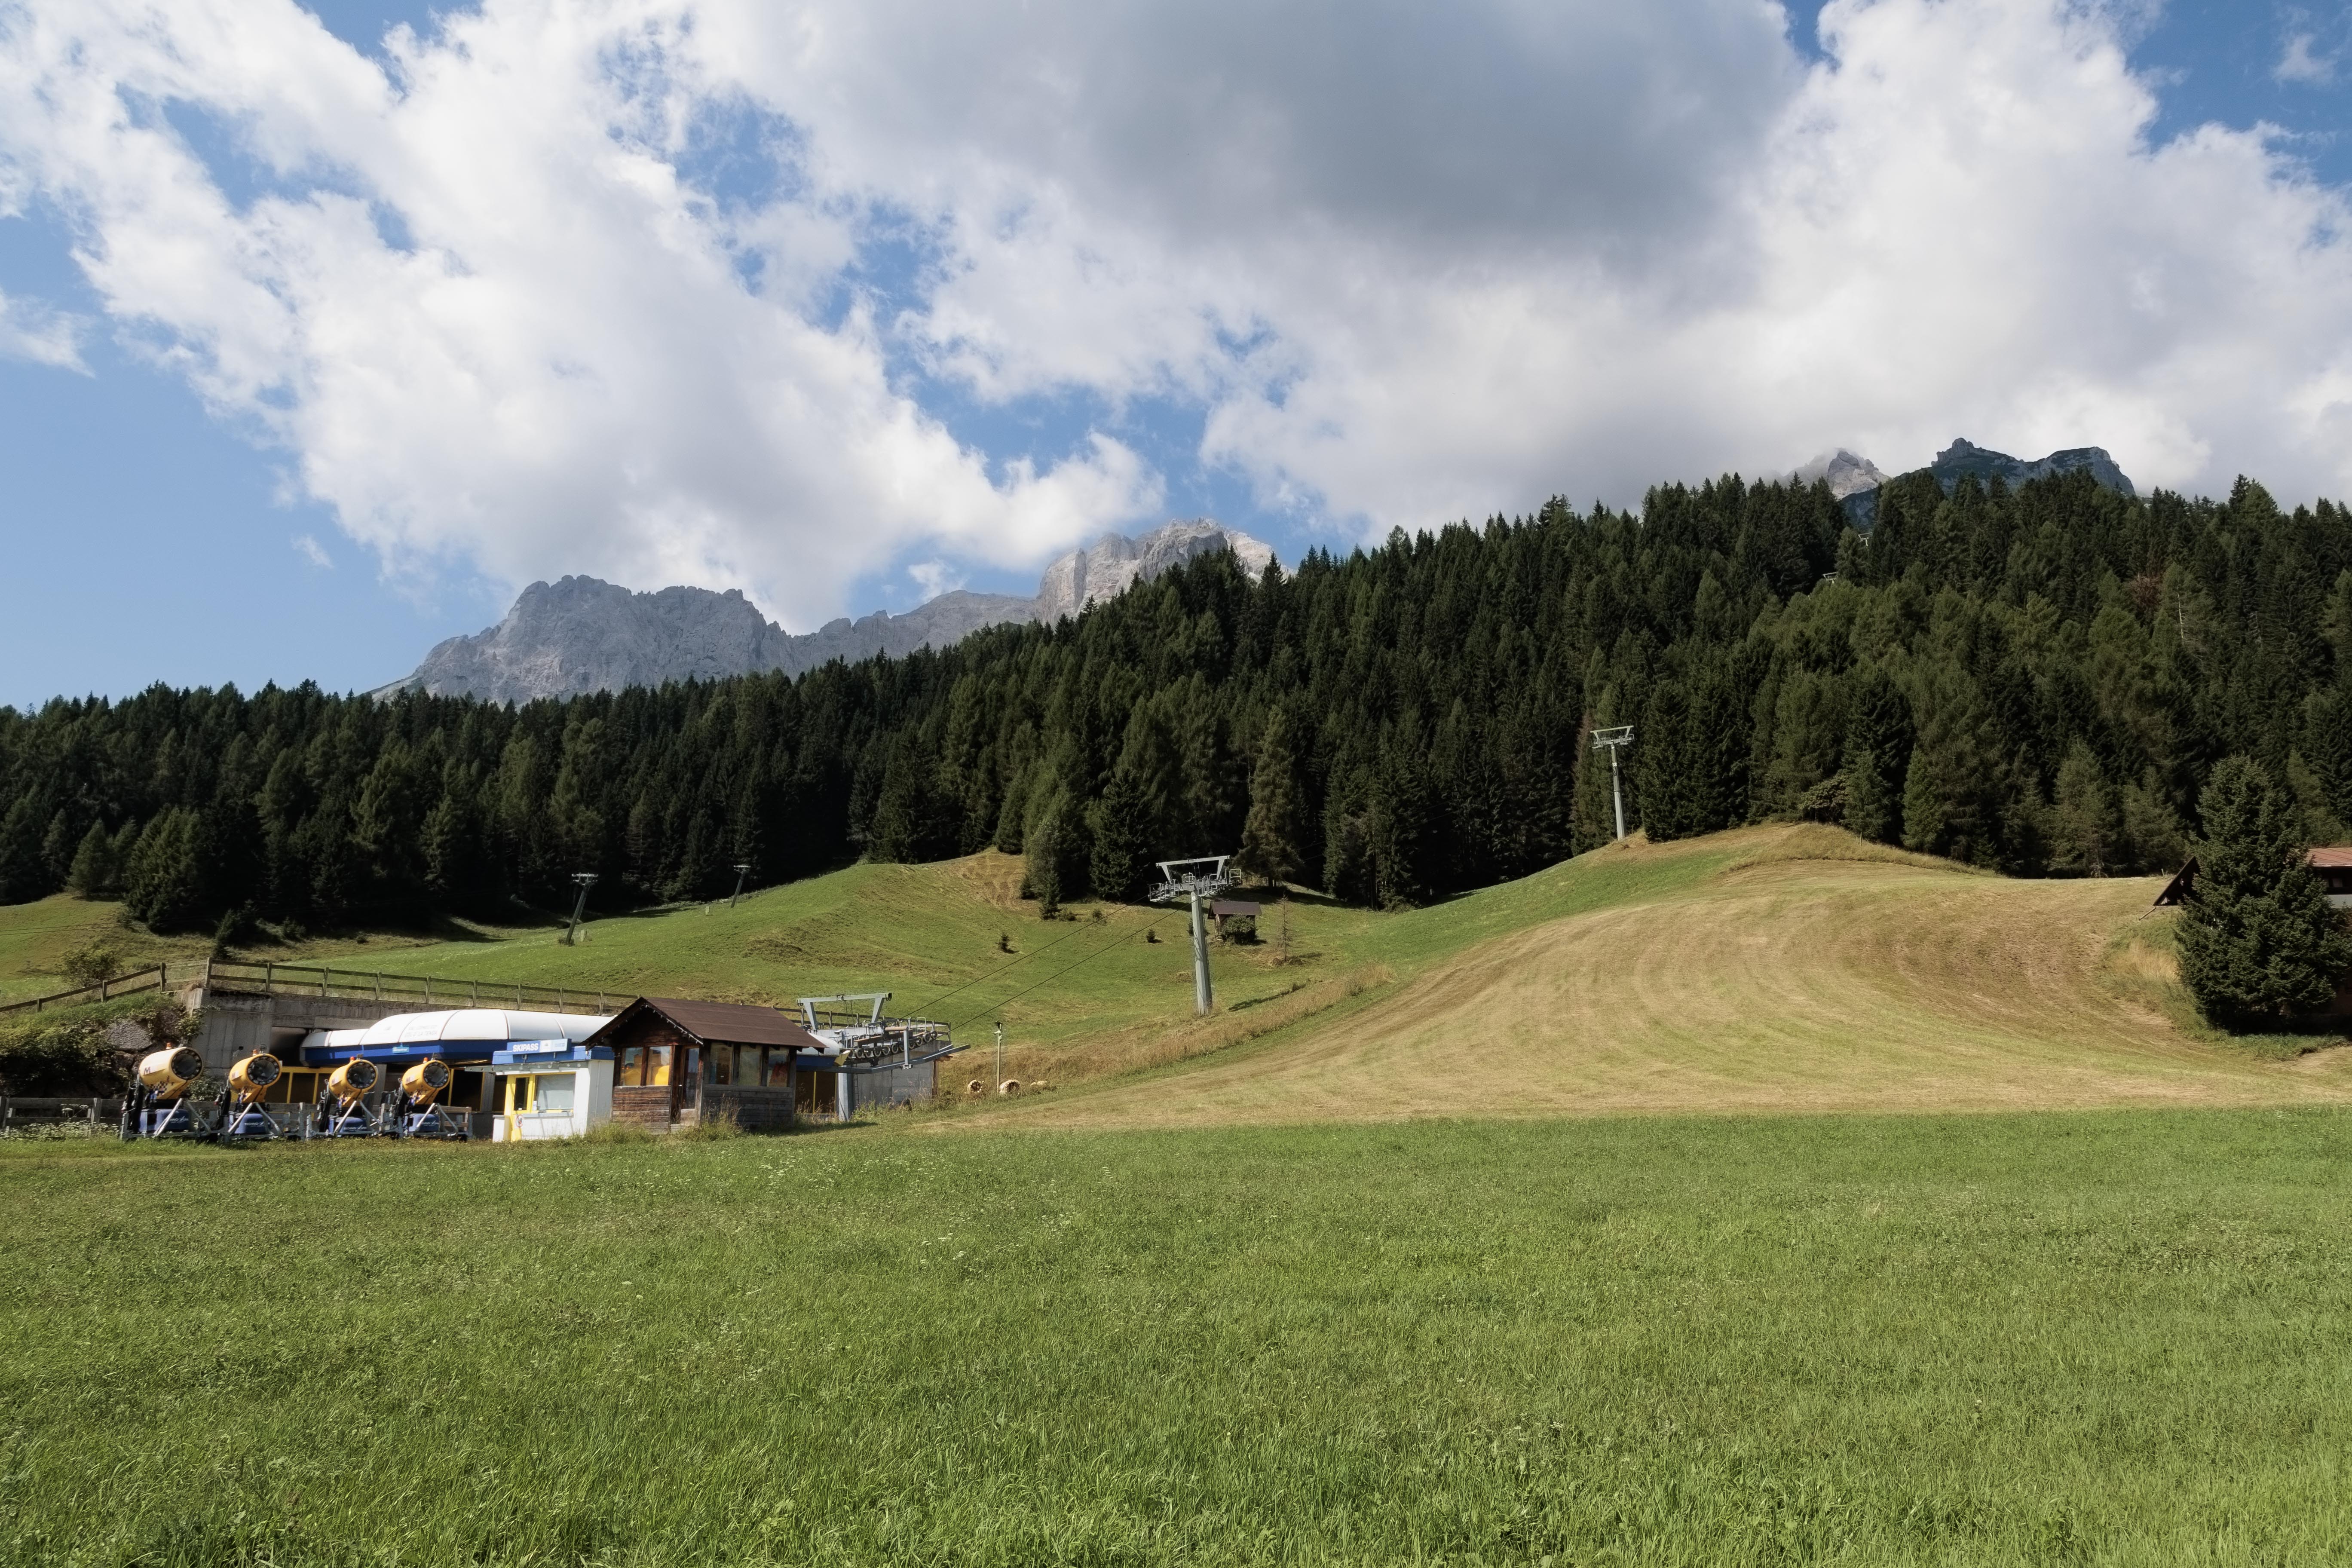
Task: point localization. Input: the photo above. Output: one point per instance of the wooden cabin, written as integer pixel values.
(675, 1061)
(1237, 920)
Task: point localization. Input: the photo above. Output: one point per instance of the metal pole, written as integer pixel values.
(1617, 791)
(586, 879)
(742, 870)
(1201, 998)
(999, 1051)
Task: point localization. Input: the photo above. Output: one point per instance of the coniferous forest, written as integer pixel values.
(2038, 682)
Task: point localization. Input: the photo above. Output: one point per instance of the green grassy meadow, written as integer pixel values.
(2100, 1338)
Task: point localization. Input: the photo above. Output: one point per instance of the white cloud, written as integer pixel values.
(932, 578)
(2299, 63)
(1413, 261)
(559, 368)
(311, 551)
(32, 332)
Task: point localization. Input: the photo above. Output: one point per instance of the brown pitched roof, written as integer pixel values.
(723, 1023)
(2332, 859)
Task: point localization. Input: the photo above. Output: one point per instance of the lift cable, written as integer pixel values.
(984, 979)
(1090, 958)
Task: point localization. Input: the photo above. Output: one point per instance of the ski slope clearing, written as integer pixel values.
(1781, 969)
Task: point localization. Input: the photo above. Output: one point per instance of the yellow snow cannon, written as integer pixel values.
(424, 1082)
(355, 1079)
(250, 1079)
(170, 1072)
(241, 1115)
(342, 1102)
(420, 1112)
(156, 1103)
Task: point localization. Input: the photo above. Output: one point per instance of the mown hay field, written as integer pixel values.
(1774, 969)
(2118, 1338)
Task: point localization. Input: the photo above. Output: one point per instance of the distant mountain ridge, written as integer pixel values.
(580, 634)
(1856, 480)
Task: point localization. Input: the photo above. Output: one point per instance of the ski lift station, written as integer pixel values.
(552, 1065)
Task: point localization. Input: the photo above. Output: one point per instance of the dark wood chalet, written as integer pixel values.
(675, 1061)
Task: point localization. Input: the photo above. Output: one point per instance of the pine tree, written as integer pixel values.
(1052, 854)
(1121, 850)
(1401, 833)
(56, 850)
(1664, 764)
(1272, 833)
(2083, 827)
(92, 874)
(2257, 940)
(1877, 756)
(166, 880)
(23, 876)
(1925, 828)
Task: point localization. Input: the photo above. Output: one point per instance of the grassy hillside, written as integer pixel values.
(1775, 968)
(2120, 1339)
(35, 939)
(1767, 969)
(1760, 970)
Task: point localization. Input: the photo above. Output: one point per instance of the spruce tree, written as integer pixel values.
(1664, 766)
(2082, 828)
(56, 850)
(166, 881)
(2259, 942)
(1121, 850)
(1271, 835)
(91, 875)
(23, 876)
(1877, 756)
(1053, 853)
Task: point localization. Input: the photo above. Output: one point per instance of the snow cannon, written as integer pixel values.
(424, 1082)
(156, 1104)
(250, 1079)
(355, 1080)
(420, 1113)
(343, 1109)
(170, 1072)
(241, 1115)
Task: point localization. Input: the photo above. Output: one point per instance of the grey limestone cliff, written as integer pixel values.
(580, 634)
(1855, 481)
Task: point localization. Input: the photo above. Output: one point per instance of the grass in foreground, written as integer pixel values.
(2120, 1338)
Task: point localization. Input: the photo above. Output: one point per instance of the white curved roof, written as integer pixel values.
(498, 1024)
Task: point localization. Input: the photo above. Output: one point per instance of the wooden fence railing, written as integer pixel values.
(138, 980)
(297, 980)
(242, 979)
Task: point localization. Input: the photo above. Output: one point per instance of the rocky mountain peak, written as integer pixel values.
(580, 634)
(1847, 474)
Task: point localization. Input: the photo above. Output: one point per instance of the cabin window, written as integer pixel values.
(779, 1070)
(555, 1092)
(657, 1064)
(633, 1065)
(722, 1063)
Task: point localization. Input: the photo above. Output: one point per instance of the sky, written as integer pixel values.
(324, 331)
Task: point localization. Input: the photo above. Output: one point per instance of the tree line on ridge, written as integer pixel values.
(2039, 680)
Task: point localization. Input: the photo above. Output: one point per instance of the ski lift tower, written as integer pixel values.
(1613, 741)
(586, 879)
(1195, 880)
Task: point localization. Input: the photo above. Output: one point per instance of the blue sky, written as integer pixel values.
(154, 536)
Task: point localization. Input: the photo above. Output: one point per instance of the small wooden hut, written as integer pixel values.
(676, 1061)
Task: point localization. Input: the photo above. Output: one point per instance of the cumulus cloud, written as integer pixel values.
(586, 285)
(472, 293)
